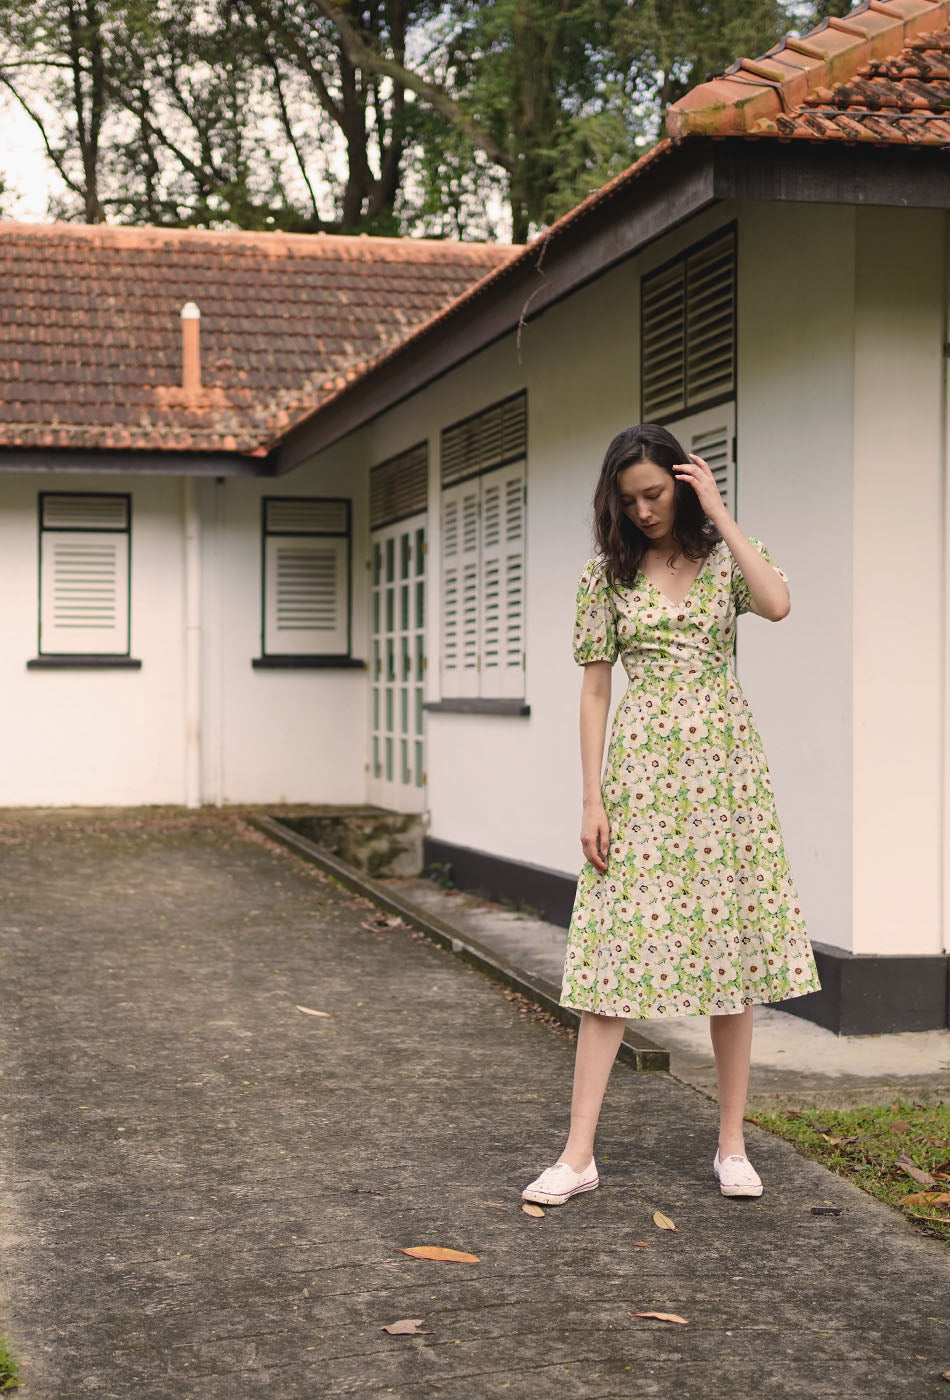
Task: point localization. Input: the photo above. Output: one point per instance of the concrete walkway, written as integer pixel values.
(204, 1190)
(794, 1062)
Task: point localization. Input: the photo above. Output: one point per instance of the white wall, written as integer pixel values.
(900, 547)
(117, 737)
(93, 737)
(795, 446)
(277, 735)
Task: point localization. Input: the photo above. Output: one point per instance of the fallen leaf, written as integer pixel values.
(492, 1203)
(908, 1166)
(530, 1208)
(382, 923)
(900, 1127)
(664, 1221)
(407, 1327)
(309, 1011)
(927, 1198)
(661, 1317)
(438, 1251)
(642, 1244)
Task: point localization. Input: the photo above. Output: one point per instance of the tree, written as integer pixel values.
(361, 115)
(56, 49)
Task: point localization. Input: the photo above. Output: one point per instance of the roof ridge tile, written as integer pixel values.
(836, 51)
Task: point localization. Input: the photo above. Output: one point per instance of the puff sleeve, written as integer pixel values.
(595, 627)
(741, 596)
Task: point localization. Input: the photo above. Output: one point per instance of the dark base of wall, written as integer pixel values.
(861, 994)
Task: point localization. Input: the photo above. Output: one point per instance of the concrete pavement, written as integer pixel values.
(204, 1190)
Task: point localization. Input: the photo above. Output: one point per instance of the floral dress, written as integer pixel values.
(697, 912)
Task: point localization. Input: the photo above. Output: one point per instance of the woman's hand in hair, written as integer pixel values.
(595, 835)
(700, 476)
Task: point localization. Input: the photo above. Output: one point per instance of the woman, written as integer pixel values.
(687, 905)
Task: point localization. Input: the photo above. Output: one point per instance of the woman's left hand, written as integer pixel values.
(699, 475)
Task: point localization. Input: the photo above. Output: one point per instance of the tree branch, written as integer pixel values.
(363, 56)
(35, 117)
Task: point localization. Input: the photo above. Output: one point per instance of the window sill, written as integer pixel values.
(86, 663)
(478, 707)
(284, 663)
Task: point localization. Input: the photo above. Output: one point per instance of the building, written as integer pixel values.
(369, 595)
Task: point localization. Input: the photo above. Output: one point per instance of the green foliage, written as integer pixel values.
(9, 1369)
(423, 116)
(440, 873)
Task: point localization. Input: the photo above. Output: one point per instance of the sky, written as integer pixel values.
(24, 165)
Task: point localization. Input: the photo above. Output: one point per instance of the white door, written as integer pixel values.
(396, 763)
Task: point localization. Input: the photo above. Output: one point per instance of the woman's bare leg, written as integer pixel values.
(598, 1040)
(731, 1037)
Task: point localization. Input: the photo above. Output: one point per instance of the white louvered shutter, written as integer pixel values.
(502, 583)
(460, 564)
(711, 434)
(84, 593)
(305, 588)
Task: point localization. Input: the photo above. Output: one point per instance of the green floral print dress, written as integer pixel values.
(697, 912)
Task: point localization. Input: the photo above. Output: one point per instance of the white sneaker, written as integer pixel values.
(737, 1176)
(559, 1183)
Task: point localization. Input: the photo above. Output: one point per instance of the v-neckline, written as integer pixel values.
(660, 594)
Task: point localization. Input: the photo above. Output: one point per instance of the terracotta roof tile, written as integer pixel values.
(91, 352)
(881, 74)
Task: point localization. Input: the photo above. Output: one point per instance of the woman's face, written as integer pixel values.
(647, 498)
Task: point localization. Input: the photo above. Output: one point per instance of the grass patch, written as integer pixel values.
(9, 1370)
(873, 1148)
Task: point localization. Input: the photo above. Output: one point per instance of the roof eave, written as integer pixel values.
(616, 222)
(694, 174)
(100, 461)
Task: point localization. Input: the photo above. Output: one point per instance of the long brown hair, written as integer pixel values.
(621, 542)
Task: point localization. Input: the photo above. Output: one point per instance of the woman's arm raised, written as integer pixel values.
(595, 705)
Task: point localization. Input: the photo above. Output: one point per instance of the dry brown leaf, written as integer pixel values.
(438, 1251)
(908, 1166)
(664, 1221)
(382, 923)
(530, 1208)
(927, 1198)
(309, 1011)
(492, 1203)
(642, 1244)
(661, 1317)
(407, 1327)
(900, 1127)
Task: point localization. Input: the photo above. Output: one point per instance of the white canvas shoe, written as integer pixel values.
(559, 1183)
(737, 1176)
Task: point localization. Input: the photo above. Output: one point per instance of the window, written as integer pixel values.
(84, 574)
(711, 434)
(306, 577)
(398, 491)
(688, 331)
(483, 556)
